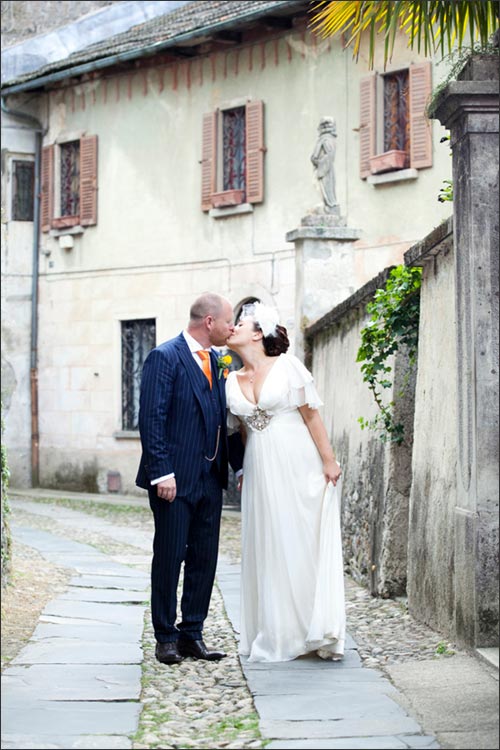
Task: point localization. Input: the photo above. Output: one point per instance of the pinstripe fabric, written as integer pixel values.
(176, 418)
(179, 418)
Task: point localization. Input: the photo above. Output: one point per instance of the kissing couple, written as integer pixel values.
(263, 420)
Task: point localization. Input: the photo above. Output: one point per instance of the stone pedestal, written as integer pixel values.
(324, 268)
(469, 109)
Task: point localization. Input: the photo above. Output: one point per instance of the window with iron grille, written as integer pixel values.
(23, 178)
(68, 181)
(70, 178)
(394, 130)
(138, 338)
(232, 158)
(233, 149)
(396, 127)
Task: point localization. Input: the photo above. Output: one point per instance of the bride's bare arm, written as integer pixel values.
(315, 425)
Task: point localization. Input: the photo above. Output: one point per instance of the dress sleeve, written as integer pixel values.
(301, 382)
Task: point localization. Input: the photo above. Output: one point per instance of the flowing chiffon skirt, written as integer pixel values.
(292, 594)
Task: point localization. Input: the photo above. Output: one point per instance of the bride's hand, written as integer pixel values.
(239, 483)
(332, 471)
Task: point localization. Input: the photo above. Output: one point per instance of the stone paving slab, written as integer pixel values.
(355, 743)
(77, 683)
(354, 682)
(70, 682)
(321, 706)
(314, 703)
(92, 564)
(70, 718)
(308, 662)
(70, 651)
(82, 557)
(110, 582)
(78, 593)
(358, 726)
(87, 630)
(68, 742)
(98, 611)
(78, 519)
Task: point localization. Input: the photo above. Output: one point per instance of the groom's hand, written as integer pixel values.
(167, 489)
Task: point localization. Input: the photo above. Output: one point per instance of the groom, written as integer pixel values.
(182, 423)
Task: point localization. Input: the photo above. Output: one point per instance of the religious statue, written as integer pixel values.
(323, 158)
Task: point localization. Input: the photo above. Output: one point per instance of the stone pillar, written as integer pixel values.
(468, 107)
(324, 268)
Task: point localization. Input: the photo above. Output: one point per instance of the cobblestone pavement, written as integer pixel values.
(201, 704)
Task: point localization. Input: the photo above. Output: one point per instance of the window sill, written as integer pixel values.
(221, 213)
(399, 175)
(127, 435)
(67, 230)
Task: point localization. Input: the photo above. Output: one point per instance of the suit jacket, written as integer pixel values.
(179, 417)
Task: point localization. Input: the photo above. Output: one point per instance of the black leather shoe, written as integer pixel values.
(168, 653)
(198, 650)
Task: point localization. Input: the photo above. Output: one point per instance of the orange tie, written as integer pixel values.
(205, 364)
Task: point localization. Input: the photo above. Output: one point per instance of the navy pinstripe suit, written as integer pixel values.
(180, 419)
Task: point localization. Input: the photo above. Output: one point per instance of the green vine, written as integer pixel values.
(457, 60)
(446, 192)
(393, 323)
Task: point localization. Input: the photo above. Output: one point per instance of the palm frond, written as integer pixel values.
(433, 24)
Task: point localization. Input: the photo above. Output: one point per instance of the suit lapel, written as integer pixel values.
(218, 383)
(192, 370)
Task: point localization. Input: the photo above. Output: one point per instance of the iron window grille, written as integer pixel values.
(138, 338)
(23, 181)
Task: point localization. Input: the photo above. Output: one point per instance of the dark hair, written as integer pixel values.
(275, 343)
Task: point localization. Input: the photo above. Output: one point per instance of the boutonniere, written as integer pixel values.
(223, 364)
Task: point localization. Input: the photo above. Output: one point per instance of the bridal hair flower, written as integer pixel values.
(266, 317)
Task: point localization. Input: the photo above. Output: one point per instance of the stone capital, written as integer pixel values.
(468, 106)
(341, 234)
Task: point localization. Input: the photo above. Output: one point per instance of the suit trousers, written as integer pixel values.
(186, 531)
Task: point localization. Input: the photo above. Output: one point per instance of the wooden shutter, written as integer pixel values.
(367, 122)
(420, 125)
(254, 133)
(47, 188)
(208, 159)
(88, 180)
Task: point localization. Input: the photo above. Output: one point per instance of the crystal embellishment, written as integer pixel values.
(259, 419)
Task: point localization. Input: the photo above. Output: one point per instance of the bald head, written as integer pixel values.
(208, 304)
(211, 319)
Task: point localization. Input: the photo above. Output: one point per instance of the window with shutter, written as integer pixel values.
(69, 184)
(232, 163)
(394, 131)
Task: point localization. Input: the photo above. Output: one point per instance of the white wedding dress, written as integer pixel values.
(292, 580)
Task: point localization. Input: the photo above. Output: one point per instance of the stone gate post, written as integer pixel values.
(468, 107)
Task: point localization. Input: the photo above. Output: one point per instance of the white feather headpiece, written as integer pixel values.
(266, 317)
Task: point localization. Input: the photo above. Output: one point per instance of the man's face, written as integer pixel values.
(220, 328)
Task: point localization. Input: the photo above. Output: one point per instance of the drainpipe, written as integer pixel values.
(39, 133)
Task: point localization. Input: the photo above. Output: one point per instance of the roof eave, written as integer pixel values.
(144, 51)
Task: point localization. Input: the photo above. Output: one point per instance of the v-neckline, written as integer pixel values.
(256, 403)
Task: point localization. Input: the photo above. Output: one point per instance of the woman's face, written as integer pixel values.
(243, 334)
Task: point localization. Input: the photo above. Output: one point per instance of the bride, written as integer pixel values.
(292, 595)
